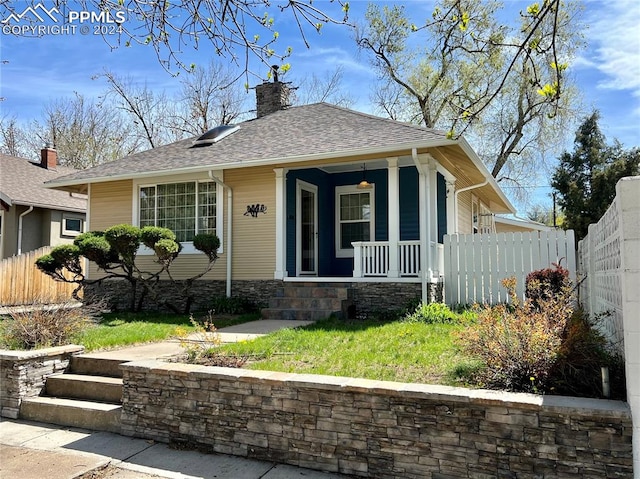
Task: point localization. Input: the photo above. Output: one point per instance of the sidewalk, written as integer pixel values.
(36, 451)
(31, 450)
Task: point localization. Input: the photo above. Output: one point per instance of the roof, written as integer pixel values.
(22, 183)
(309, 130)
(522, 223)
(301, 133)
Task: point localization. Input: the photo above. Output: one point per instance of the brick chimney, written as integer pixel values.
(272, 97)
(48, 158)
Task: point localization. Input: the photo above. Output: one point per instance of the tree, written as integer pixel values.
(237, 30)
(468, 73)
(585, 180)
(328, 88)
(13, 138)
(114, 252)
(83, 132)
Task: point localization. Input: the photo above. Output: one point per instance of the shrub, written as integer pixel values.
(431, 313)
(150, 235)
(40, 325)
(546, 283)
(232, 305)
(208, 244)
(518, 343)
(124, 239)
(95, 247)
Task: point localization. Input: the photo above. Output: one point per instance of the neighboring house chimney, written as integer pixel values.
(48, 158)
(272, 97)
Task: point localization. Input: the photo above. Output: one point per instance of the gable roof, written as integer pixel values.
(22, 183)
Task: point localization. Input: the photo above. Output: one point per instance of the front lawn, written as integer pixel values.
(124, 329)
(392, 351)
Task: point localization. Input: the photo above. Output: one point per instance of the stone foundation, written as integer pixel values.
(23, 374)
(376, 428)
(368, 297)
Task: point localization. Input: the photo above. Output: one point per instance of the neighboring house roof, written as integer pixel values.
(522, 223)
(302, 133)
(22, 183)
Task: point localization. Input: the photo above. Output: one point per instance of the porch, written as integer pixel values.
(380, 219)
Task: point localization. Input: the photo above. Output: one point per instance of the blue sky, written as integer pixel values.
(36, 71)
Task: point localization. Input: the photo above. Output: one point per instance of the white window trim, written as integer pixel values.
(351, 189)
(187, 246)
(67, 232)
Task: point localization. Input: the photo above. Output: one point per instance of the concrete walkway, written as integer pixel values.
(34, 451)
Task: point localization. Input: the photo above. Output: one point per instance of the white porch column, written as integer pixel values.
(425, 240)
(432, 191)
(394, 217)
(281, 223)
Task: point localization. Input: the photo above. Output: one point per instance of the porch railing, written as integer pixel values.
(371, 258)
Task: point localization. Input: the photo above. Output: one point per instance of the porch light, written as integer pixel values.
(364, 184)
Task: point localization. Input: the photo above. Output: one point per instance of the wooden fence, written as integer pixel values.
(475, 264)
(22, 283)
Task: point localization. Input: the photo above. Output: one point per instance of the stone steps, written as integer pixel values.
(80, 386)
(72, 412)
(309, 301)
(88, 395)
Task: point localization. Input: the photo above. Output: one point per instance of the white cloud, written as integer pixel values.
(614, 41)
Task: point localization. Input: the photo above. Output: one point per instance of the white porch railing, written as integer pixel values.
(371, 258)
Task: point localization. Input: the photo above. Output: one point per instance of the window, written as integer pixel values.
(354, 218)
(72, 225)
(187, 208)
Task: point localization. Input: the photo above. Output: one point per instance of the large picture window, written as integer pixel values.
(354, 218)
(187, 208)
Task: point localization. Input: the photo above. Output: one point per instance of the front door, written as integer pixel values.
(306, 229)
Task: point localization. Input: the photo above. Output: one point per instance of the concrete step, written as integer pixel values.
(81, 386)
(314, 292)
(72, 412)
(297, 314)
(93, 366)
(332, 304)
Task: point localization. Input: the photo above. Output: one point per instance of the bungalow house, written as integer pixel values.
(346, 204)
(32, 216)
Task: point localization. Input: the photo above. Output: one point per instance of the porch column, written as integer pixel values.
(425, 219)
(433, 224)
(281, 223)
(394, 217)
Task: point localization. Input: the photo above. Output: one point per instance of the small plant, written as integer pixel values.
(231, 305)
(519, 343)
(203, 339)
(41, 325)
(431, 313)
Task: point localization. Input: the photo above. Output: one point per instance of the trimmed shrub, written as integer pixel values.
(150, 235)
(207, 243)
(124, 239)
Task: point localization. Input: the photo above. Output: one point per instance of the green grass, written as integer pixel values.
(123, 329)
(394, 351)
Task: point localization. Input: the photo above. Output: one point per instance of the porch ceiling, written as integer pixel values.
(454, 159)
(377, 164)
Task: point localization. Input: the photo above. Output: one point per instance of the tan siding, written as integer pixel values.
(254, 239)
(464, 212)
(186, 266)
(111, 204)
(505, 228)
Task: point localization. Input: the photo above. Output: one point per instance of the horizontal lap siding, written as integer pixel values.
(254, 239)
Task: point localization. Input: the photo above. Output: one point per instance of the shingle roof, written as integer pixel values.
(21, 182)
(317, 129)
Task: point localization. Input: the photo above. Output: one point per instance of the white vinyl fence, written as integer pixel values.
(475, 264)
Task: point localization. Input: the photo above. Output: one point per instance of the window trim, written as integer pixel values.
(346, 190)
(187, 246)
(68, 232)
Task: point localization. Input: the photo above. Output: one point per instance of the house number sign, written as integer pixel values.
(253, 210)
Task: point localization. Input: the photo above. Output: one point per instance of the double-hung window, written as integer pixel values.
(187, 208)
(354, 218)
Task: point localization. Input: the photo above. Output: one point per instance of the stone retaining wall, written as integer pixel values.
(374, 428)
(23, 374)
